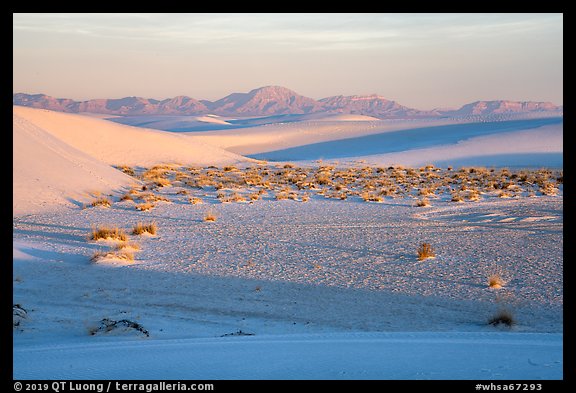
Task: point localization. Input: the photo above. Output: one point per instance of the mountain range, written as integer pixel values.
(274, 100)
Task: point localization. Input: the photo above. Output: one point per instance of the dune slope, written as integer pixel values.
(48, 172)
(118, 144)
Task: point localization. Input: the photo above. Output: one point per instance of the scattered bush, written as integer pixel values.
(127, 197)
(145, 206)
(495, 281)
(210, 217)
(425, 251)
(423, 202)
(457, 198)
(108, 325)
(126, 169)
(19, 314)
(141, 228)
(195, 200)
(502, 317)
(130, 247)
(108, 233)
(122, 254)
(104, 202)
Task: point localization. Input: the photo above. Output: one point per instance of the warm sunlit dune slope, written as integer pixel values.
(118, 144)
(48, 172)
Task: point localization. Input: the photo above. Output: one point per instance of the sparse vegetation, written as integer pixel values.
(145, 206)
(425, 251)
(108, 233)
(495, 281)
(210, 217)
(127, 197)
(121, 254)
(142, 228)
(502, 317)
(19, 314)
(127, 170)
(371, 184)
(423, 202)
(103, 201)
(195, 200)
(108, 325)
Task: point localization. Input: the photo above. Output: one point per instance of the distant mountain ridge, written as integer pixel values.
(275, 100)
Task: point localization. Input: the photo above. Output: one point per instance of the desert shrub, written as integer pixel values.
(425, 251)
(182, 192)
(457, 198)
(474, 195)
(150, 197)
(145, 206)
(281, 196)
(195, 200)
(495, 281)
(141, 228)
(127, 197)
(19, 314)
(423, 202)
(108, 325)
(160, 182)
(502, 317)
(235, 197)
(548, 189)
(104, 202)
(123, 254)
(127, 246)
(254, 196)
(210, 217)
(104, 232)
(126, 169)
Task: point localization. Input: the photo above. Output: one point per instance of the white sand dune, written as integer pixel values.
(48, 172)
(345, 117)
(272, 137)
(63, 159)
(542, 146)
(328, 356)
(118, 144)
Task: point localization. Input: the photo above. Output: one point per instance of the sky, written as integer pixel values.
(423, 61)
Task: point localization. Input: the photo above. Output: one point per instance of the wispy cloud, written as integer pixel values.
(303, 31)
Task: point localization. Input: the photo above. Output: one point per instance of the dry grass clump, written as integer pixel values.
(160, 182)
(254, 196)
(425, 251)
(127, 246)
(127, 197)
(127, 170)
(305, 198)
(549, 189)
(423, 202)
(281, 196)
(210, 216)
(495, 281)
(150, 197)
(145, 206)
(182, 192)
(195, 200)
(123, 254)
(108, 233)
(370, 197)
(141, 228)
(104, 202)
(474, 195)
(457, 198)
(502, 317)
(230, 168)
